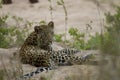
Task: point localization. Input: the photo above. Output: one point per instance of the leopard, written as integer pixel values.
(41, 38)
(50, 60)
(37, 51)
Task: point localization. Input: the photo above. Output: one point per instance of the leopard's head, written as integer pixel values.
(45, 34)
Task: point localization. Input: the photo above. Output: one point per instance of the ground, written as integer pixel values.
(80, 13)
(10, 64)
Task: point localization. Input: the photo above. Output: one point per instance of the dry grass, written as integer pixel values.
(12, 69)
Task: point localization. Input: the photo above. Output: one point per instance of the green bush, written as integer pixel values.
(77, 38)
(110, 47)
(3, 19)
(94, 42)
(111, 43)
(11, 36)
(58, 37)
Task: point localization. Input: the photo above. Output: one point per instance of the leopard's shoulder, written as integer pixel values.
(31, 39)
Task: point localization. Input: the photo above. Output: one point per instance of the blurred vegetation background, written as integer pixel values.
(108, 41)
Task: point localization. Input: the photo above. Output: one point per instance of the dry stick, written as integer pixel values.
(1, 12)
(66, 18)
(4, 68)
(51, 9)
(101, 24)
(20, 67)
(13, 67)
(61, 2)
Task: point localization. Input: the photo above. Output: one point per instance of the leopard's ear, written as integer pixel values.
(51, 24)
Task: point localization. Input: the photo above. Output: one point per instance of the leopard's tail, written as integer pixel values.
(37, 71)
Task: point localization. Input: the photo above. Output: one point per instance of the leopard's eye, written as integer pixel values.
(37, 29)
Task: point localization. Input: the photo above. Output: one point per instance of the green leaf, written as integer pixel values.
(60, 2)
(73, 31)
(49, 0)
(58, 37)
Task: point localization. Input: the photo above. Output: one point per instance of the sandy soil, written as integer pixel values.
(10, 64)
(80, 13)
